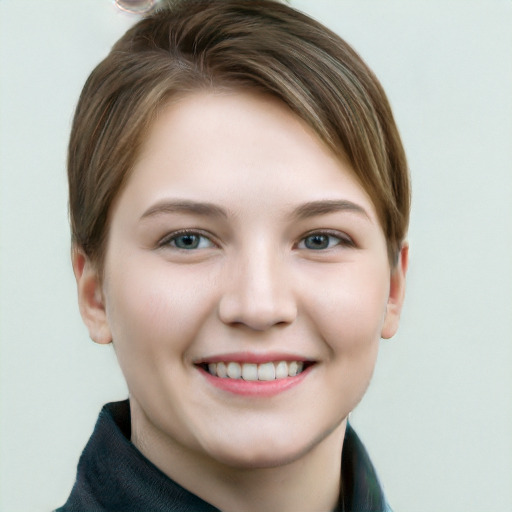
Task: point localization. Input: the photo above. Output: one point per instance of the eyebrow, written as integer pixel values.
(314, 208)
(304, 211)
(184, 206)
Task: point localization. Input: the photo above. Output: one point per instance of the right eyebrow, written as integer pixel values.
(184, 206)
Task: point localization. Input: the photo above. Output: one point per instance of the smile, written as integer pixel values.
(255, 372)
(252, 375)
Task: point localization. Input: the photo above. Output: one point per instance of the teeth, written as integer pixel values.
(234, 371)
(266, 371)
(293, 369)
(222, 371)
(253, 372)
(281, 370)
(250, 372)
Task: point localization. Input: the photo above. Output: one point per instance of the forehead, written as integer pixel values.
(228, 145)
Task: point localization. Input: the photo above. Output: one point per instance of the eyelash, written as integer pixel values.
(342, 240)
(172, 237)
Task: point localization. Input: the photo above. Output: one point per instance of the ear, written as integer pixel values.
(90, 297)
(396, 294)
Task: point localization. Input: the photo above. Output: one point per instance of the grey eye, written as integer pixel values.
(318, 241)
(187, 241)
(191, 241)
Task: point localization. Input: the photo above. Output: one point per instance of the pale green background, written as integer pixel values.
(438, 417)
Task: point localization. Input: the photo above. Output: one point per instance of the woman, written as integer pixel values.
(239, 200)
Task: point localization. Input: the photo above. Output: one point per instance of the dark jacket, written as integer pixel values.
(114, 476)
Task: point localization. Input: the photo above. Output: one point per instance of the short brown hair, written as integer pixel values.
(253, 44)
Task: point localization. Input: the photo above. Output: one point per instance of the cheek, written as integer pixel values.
(152, 309)
(349, 316)
(351, 310)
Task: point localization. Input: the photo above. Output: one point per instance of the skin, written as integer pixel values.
(255, 284)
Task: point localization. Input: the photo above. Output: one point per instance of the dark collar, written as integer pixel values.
(114, 476)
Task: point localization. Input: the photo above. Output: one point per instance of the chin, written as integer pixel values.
(259, 459)
(271, 450)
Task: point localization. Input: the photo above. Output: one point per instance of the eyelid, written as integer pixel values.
(166, 239)
(345, 240)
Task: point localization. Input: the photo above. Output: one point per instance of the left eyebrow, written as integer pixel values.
(314, 208)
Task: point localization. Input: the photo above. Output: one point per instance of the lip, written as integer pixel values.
(256, 388)
(254, 358)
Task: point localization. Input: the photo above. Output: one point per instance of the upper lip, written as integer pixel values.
(250, 357)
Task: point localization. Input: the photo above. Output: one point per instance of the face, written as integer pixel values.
(246, 283)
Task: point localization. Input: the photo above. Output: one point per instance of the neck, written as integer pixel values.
(305, 485)
(311, 482)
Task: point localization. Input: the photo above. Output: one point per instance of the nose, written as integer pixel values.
(258, 292)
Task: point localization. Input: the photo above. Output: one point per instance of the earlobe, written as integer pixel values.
(90, 297)
(396, 294)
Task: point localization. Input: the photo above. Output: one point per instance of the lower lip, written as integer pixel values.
(255, 387)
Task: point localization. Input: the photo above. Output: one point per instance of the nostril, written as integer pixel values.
(256, 315)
